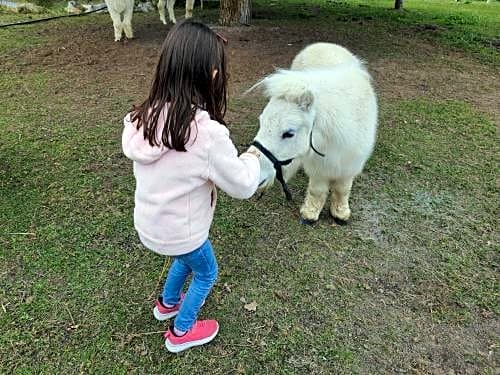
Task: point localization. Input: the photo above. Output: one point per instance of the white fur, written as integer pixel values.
(121, 12)
(327, 91)
(324, 55)
(170, 8)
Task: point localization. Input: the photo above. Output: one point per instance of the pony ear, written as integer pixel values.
(304, 100)
(287, 85)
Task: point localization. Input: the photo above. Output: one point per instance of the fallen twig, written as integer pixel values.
(162, 275)
(71, 316)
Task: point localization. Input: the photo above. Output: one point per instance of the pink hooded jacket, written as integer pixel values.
(175, 194)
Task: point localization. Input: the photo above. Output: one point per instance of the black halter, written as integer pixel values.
(278, 164)
(312, 146)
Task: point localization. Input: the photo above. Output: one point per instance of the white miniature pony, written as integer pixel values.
(322, 117)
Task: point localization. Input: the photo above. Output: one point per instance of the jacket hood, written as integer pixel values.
(138, 149)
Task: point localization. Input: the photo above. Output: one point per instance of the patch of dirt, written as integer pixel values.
(409, 68)
(444, 77)
(370, 225)
(429, 28)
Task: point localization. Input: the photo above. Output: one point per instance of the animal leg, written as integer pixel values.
(189, 8)
(161, 10)
(170, 8)
(341, 189)
(117, 24)
(127, 22)
(317, 191)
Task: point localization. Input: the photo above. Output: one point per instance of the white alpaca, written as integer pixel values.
(325, 102)
(170, 8)
(118, 9)
(121, 12)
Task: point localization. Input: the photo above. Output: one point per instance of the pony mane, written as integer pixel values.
(286, 82)
(282, 82)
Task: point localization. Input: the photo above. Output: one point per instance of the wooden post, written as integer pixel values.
(399, 4)
(246, 12)
(229, 12)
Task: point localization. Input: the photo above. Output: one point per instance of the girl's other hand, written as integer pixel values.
(254, 151)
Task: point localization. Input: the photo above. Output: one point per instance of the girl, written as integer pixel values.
(181, 150)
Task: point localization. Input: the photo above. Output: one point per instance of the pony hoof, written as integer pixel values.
(304, 221)
(340, 221)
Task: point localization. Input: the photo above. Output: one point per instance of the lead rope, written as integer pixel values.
(279, 177)
(277, 164)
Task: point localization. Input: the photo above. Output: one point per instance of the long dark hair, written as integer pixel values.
(184, 79)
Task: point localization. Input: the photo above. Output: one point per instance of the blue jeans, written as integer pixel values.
(203, 265)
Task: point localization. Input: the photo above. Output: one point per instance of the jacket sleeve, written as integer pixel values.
(237, 176)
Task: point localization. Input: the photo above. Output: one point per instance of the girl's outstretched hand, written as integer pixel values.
(254, 151)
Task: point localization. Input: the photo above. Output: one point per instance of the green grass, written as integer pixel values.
(7, 15)
(12, 40)
(472, 25)
(410, 285)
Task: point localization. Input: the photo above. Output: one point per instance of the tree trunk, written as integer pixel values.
(246, 12)
(229, 12)
(399, 4)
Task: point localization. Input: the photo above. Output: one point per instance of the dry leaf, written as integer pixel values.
(29, 300)
(243, 300)
(252, 306)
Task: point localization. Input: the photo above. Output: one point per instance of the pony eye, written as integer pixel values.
(288, 134)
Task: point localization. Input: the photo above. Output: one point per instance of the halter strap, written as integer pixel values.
(277, 164)
(312, 145)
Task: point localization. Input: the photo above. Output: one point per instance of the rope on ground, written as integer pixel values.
(53, 18)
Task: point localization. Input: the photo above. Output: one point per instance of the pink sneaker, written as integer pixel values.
(202, 332)
(161, 312)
